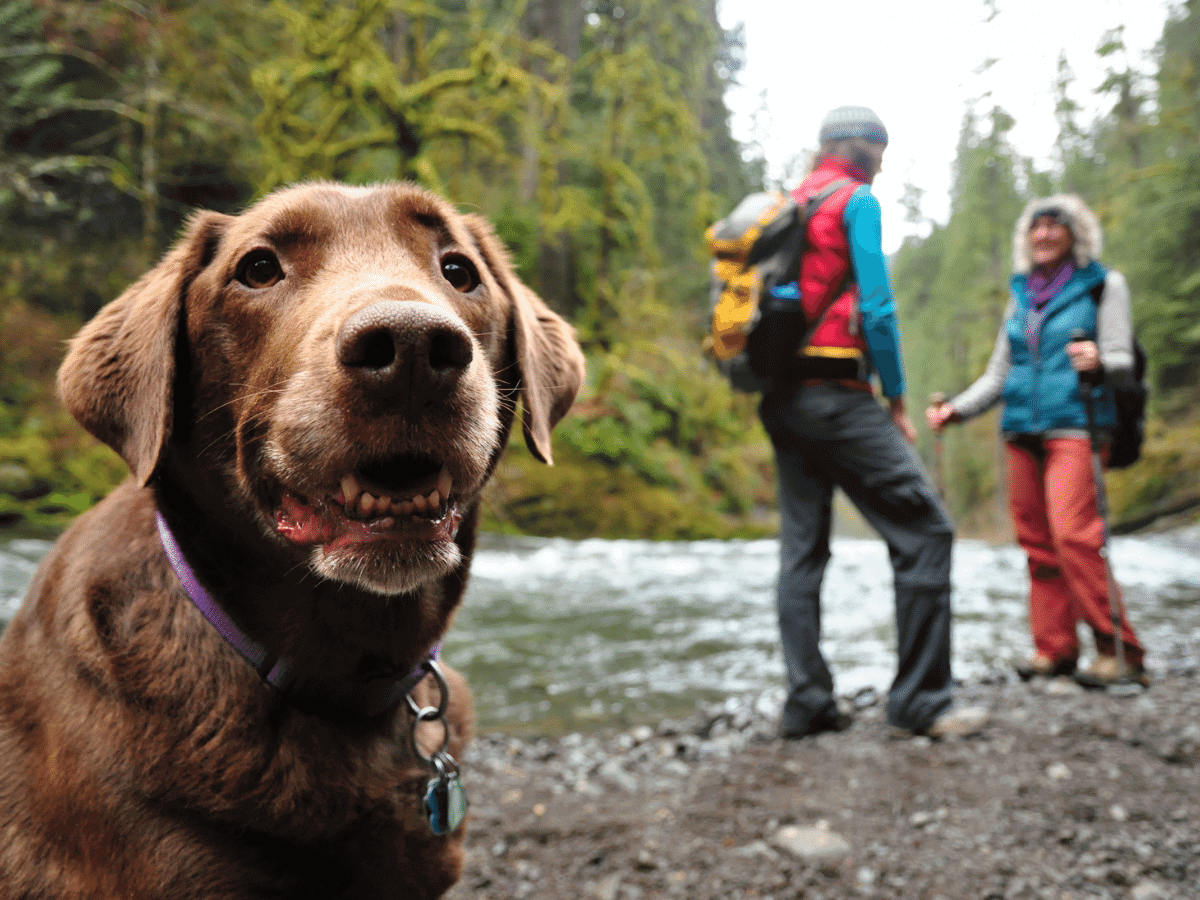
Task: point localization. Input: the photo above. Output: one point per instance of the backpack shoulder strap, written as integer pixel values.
(814, 201)
(1097, 292)
(811, 204)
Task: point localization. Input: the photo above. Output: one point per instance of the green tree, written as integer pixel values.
(953, 288)
(361, 92)
(1077, 171)
(31, 80)
(1159, 216)
(124, 119)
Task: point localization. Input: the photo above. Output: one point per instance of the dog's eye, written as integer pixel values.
(259, 269)
(460, 272)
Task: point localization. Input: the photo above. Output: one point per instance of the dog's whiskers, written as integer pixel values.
(253, 395)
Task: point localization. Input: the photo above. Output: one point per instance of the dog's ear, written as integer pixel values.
(551, 368)
(548, 357)
(118, 375)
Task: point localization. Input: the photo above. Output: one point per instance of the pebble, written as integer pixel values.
(1147, 890)
(613, 774)
(605, 889)
(1058, 771)
(810, 842)
(922, 818)
(757, 848)
(1063, 687)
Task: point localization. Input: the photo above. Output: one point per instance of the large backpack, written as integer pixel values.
(1130, 396)
(756, 248)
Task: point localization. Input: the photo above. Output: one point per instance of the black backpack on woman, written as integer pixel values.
(1130, 396)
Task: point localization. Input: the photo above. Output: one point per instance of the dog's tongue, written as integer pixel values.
(328, 526)
(304, 524)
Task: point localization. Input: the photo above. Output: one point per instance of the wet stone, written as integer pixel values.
(810, 842)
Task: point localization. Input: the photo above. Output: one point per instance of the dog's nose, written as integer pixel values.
(404, 347)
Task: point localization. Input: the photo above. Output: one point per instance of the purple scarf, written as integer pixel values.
(1041, 291)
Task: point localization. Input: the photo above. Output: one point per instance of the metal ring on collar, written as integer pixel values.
(431, 714)
(440, 756)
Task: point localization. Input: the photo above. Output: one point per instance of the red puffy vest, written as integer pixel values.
(826, 265)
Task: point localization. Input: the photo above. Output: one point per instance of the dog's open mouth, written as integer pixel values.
(407, 498)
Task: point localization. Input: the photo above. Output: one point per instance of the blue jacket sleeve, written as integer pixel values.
(864, 228)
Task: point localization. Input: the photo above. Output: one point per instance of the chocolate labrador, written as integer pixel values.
(224, 681)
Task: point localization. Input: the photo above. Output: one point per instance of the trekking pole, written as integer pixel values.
(1123, 686)
(937, 398)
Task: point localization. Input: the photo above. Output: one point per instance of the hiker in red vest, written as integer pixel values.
(1058, 289)
(828, 430)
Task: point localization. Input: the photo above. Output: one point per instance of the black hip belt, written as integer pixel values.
(827, 368)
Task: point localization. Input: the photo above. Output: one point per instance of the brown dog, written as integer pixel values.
(311, 396)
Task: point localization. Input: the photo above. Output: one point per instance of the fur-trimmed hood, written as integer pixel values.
(1074, 213)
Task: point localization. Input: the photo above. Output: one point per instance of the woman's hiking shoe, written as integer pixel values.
(959, 721)
(1107, 671)
(1042, 666)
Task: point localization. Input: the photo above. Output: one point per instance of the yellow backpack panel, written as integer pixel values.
(736, 287)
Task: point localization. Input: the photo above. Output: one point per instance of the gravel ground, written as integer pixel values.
(1066, 795)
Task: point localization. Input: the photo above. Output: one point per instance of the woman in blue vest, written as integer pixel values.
(1059, 289)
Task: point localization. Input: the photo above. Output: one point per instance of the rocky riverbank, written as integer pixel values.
(1067, 795)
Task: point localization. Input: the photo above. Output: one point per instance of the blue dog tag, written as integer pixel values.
(445, 803)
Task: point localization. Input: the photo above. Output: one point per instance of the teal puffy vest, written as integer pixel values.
(1042, 392)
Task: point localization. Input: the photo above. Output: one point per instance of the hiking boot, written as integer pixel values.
(824, 722)
(959, 721)
(1106, 671)
(1041, 666)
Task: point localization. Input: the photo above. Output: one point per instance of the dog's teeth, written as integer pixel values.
(434, 500)
(405, 508)
(420, 504)
(366, 504)
(350, 489)
(387, 522)
(444, 483)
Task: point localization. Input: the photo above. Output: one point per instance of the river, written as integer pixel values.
(557, 635)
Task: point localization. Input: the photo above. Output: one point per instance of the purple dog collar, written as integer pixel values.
(271, 667)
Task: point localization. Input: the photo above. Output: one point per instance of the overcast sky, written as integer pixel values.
(918, 64)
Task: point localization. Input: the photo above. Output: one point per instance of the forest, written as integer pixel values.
(595, 135)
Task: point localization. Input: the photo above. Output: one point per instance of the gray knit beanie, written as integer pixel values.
(847, 122)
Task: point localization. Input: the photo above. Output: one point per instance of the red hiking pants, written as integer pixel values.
(1053, 503)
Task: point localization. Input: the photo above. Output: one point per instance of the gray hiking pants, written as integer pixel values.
(827, 435)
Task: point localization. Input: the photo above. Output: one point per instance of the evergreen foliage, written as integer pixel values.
(594, 134)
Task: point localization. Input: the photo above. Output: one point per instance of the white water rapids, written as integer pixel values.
(557, 635)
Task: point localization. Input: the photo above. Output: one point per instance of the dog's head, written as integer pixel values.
(341, 362)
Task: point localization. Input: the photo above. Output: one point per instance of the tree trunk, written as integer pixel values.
(560, 24)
